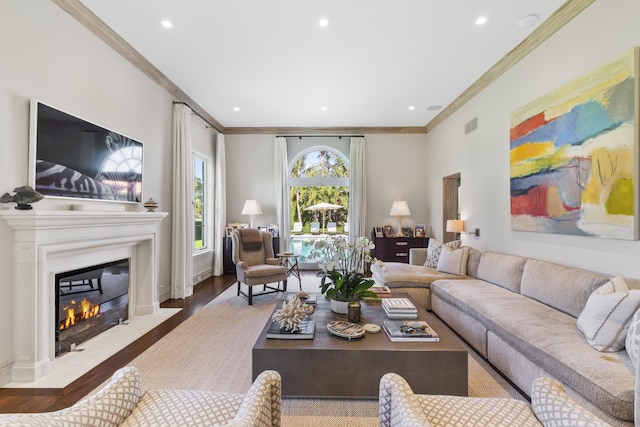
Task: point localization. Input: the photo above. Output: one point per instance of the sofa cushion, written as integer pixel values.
(554, 408)
(549, 338)
(561, 287)
(453, 261)
(501, 269)
(401, 275)
(473, 260)
(435, 247)
(605, 316)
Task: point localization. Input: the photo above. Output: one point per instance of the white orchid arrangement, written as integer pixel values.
(342, 264)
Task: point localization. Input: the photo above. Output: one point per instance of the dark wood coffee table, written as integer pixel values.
(330, 366)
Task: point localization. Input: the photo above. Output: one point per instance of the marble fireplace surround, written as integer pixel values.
(49, 242)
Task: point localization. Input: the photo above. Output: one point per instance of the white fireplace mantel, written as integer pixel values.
(46, 242)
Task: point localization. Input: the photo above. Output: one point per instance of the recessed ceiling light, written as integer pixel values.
(323, 22)
(323, 108)
(434, 108)
(528, 20)
(236, 108)
(481, 20)
(411, 108)
(166, 23)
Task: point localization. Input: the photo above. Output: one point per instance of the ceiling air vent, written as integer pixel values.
(471, 126)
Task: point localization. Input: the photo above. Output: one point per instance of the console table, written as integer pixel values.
(396, 249)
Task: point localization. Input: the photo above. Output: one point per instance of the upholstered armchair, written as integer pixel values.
(550, 406)
(122, 403)
(252, 253)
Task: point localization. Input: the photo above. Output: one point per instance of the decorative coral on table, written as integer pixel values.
(291, 313)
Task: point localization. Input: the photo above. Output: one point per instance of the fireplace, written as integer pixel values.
(47, 243)
(89, 301)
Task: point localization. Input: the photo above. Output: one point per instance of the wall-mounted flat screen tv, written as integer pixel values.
(70, 157)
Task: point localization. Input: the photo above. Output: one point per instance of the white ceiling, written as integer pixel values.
(272, 60)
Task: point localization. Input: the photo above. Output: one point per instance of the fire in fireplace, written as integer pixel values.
(89, 301)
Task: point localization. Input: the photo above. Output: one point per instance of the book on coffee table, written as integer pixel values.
(306, 329)
(399, 308)
(409, 331)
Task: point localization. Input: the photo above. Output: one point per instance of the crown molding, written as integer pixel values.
(569, 10)
(296, 131)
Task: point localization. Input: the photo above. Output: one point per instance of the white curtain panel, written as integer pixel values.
(357, 189)
(220, 201)
(182, 212)
(282, 190)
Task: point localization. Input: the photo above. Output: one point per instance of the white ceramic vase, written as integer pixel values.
(340, 307)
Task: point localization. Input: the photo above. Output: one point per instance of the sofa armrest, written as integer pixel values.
(109, 407)
(261, 406)
(417, 256)
(552, 406)
(396, 404)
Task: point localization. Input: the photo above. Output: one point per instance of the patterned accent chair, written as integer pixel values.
(550, 406)
(252, 253)
(122, 403)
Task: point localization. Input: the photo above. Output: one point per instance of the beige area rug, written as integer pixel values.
(212, 351)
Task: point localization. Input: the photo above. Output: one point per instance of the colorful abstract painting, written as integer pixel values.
(573, 156)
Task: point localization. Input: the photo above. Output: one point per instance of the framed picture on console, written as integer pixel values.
(388, 231)
(378, 231)
(418, 230)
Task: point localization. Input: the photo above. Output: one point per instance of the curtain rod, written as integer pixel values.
(319, 136)
(207, 124)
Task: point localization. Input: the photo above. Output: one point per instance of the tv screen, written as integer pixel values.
(71, 157)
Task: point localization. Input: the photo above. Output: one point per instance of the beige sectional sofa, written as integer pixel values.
(520, 314)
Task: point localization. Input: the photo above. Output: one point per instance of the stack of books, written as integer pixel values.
(399, 308)
(381, 291)
(409, 331)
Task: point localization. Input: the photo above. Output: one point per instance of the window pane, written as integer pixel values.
(199, 166)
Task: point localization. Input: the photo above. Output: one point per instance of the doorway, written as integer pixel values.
(450, 204)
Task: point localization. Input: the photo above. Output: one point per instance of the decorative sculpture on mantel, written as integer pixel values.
(23, 197)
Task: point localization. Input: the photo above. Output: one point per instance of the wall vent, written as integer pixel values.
(471, 126)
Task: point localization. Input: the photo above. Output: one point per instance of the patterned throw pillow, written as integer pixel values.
(632, 342)
(605, 316)
(554, 408)
(435, 248)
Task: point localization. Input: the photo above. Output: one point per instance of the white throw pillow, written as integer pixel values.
(605, 317)
(435, 247)
(453, 261)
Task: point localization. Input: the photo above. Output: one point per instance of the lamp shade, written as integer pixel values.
(400, 207)
(455, 226)
(251, 207)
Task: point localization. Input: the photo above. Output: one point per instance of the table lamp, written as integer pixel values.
(400, 208)
(251, 208)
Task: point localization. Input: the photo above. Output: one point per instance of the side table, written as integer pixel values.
(290, 261)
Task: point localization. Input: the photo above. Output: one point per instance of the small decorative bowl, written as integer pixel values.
(151, 205)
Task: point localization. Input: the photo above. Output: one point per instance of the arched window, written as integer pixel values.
(318, 197)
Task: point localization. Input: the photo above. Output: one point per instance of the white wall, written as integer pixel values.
(602, 32)
(46, 54)
(395, 169)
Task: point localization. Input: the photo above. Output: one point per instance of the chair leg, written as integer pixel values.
(250, 295)
(284, 285)
(238, 288)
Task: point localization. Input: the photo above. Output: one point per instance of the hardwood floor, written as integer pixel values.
(43, 400)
